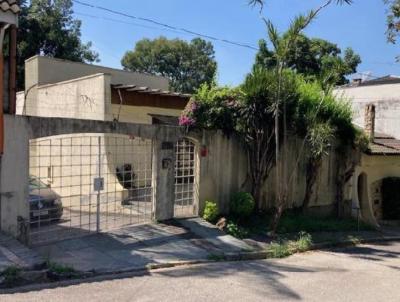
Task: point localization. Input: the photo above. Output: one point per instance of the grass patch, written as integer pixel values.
(57, 272)
(292, 222)
(60, 269)
(285, 248)
(12, 276)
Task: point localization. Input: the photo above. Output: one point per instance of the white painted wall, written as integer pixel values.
(82, 98)
(386, 99)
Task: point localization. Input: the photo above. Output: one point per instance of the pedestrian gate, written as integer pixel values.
(80, 184)
(186, 186)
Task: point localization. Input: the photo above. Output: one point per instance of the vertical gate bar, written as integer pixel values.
(71, 159)
(90, 183)
(128, 157)
(80, 184)
(116, 182)
(106, 146)
(98, 191)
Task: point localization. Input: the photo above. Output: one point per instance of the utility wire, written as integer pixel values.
(126, 22)
(167, 26)
(174, 29)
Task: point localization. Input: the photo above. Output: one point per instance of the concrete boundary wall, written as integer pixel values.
(221, 170)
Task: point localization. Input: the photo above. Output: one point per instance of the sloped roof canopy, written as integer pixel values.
(133, 95)
(9, 10)
(384, 144)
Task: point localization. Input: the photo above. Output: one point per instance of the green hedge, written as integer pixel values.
(242, 205)
(391, 198)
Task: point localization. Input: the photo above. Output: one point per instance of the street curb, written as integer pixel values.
(355, 242)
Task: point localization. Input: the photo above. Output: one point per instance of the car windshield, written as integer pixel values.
(35, 184)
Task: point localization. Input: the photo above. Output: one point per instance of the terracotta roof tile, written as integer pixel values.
(385, 146)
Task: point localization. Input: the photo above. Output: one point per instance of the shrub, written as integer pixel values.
(235, 230)
(391, 198)
(242, 205)
(211, 211)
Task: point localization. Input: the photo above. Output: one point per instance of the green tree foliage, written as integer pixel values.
(187, 64)
(314, 115)
(47, 27)
(320, 118)
(314, 58)
(393, 21)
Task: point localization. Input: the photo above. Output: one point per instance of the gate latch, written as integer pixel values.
(99, 184)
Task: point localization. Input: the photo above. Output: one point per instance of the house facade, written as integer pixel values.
(376, 110)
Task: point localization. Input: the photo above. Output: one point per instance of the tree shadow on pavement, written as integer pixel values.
(377, 252)
(263, 277)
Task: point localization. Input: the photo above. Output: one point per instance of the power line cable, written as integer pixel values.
(167, 26)
(128, 23)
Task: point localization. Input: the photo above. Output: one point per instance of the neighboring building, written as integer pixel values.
(59, 88)
(384, 93)
(381, 160)
(376, 109)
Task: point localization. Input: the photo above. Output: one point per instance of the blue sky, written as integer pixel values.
(360, 26)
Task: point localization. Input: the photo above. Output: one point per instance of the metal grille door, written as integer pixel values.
(185, 179)
(80, 184)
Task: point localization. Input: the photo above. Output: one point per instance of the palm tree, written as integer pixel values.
(282, 45)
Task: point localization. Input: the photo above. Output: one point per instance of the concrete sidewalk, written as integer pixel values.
(13, 253)
(137, 247)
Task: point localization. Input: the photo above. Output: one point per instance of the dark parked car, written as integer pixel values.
(45, 205)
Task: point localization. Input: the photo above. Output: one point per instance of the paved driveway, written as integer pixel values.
(136, 246)
(366, 273)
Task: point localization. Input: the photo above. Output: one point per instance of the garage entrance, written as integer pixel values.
(85, 183)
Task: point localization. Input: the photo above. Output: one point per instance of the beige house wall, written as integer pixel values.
(375, 168)
(140, 114)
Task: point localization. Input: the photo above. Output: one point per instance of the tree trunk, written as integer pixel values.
(313, 167)
(256, 192)
(278, 214)
(345, 172)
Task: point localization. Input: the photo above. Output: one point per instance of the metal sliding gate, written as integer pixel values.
(186, 186)
(80, 184)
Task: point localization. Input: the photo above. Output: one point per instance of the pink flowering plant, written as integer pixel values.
(212, 108)
(187, 117)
